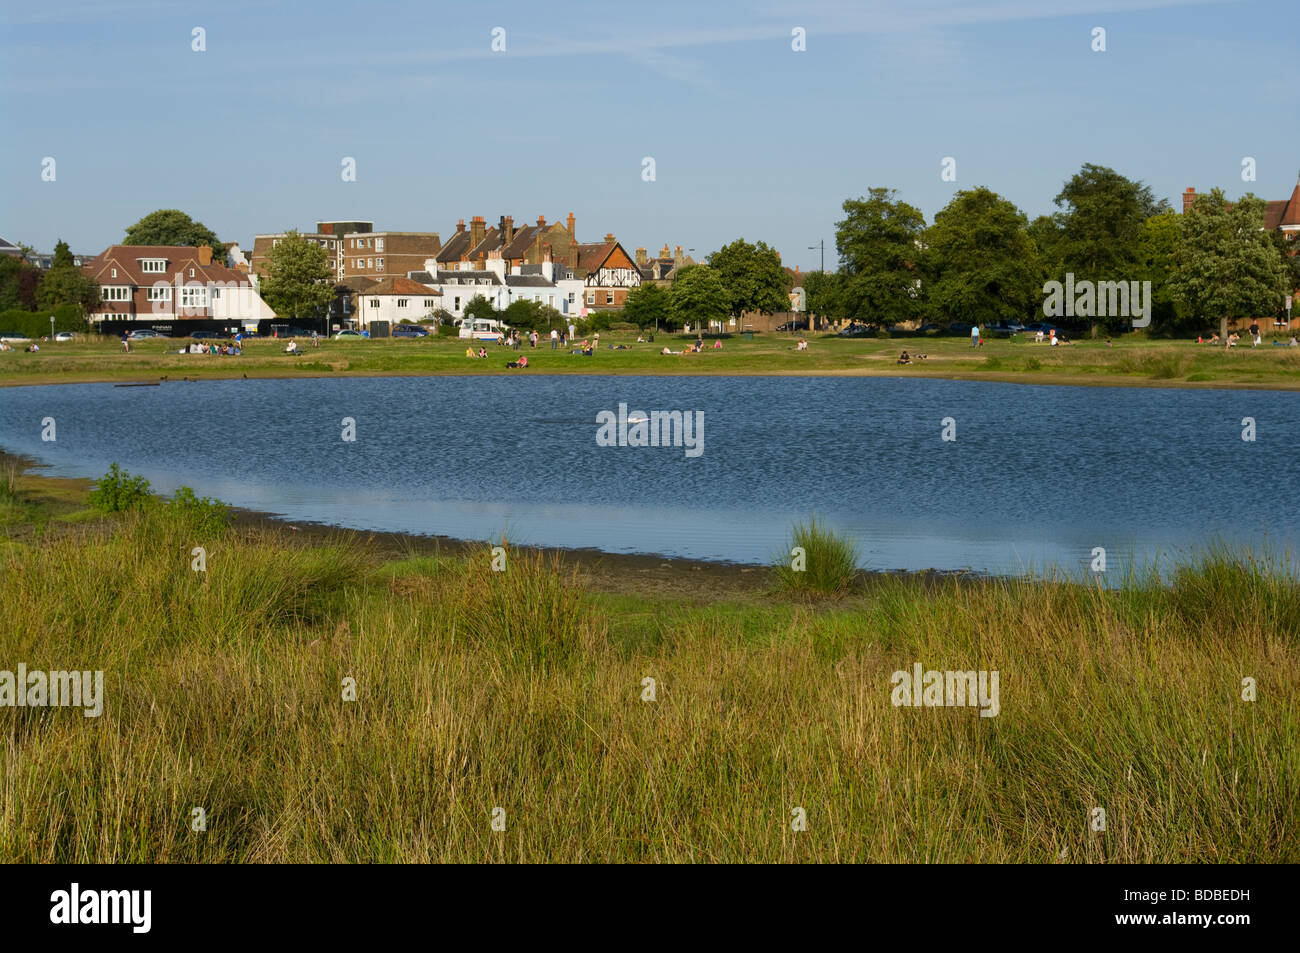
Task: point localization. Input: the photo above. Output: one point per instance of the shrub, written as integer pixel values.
(117, 491)
(830, 561)
(448, 331)
(205, 514)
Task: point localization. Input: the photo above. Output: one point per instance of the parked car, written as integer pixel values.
(348, 335)
(206, 335)
(960, 327)
(1006, 327)
(928, 327)
(858, 330)
(13, 337)
(64, 336)
(793, 326)
(143, 334)
(409, 331)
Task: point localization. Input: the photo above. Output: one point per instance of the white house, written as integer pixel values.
(396, 300)
(547, 283)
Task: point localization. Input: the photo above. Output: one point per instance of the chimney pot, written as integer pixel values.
(609, 236)
(541, 221)
(205, 254)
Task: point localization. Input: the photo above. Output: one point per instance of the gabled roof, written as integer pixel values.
(422, 276)
(1286, 212)
(519, 245)
(180, 259)
(592, 256)
(9, 248)
(456, 246)
(528, 281)
(491, 242)
(468, 278)
(399, 286)
(356, 283)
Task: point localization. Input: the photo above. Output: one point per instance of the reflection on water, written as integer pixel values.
(1037, 477)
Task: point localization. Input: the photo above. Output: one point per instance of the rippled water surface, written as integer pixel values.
(1037, 477)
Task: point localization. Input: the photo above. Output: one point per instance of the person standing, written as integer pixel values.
(1254, 333)
(555, 339)
(975, 335)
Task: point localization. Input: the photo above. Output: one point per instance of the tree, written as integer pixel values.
(299, 280)
(527, 315)
(1227, 266)
(980, 261)
(479, 308)
(170, 226)
(1289, 250)
(1100, 225)
(825, 292)
(647, 305)
(878, 241)
(65, 283)
(752, 276)
(698, 297)
(1157, 250)
(19, 280)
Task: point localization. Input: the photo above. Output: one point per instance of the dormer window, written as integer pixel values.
(152, 265)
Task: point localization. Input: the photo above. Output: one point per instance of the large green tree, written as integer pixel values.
(647, 305)
(528, 315)
(19, 280)
(980, 263)
(1227, 266)
(752, 276)
(1157, 251)
(1101, 222)
(878, 241)
(698, 297)
(299, 278)
(171, 226)
(65, 283)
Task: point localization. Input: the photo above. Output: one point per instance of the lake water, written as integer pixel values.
(1035, 479)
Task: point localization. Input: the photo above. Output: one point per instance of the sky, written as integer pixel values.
(749, 136)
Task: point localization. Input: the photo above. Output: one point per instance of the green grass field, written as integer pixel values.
(524, 690)
(1134, 360)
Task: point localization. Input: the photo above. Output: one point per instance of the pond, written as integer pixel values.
(1032, 478)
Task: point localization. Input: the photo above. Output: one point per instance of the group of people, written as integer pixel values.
(231, 350)
(906, 358)
(695, 348)
(1233, 338)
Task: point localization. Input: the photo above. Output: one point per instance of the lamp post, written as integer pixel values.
(52, 325)
(822, 245)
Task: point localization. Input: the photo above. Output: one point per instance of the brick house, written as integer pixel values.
(607, 271)
(383, 255)
(149, 284)
(328, 235)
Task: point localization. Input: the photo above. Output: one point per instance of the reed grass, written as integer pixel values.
(523, 690)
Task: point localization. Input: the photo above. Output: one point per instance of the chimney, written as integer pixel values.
(640, 256)
(663, 252)
(541, 222)
(537, 244)
(573, 236)
(573, 255)
(460, 225)
(677, 255)
(205, 254)
(508, 230)
(609, 236)
(1189, 199)
(476, 230)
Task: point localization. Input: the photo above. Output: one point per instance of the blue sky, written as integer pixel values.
(750, 138)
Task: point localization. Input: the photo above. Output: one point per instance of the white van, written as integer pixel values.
(482, 329)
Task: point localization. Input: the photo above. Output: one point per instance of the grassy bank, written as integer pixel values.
(523, 690)
(1134, 360)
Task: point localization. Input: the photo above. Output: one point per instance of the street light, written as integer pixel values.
(52, 326)
(822, 245)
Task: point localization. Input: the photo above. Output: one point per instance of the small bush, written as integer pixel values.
(448, 331)
(205, 514)
(830, 561)
(117, 491)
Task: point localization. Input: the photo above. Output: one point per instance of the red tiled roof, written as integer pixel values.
(1286, 212)
(180, 259)
(592, 256)
(400, 286)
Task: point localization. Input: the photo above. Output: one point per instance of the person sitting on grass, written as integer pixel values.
(469, 352)
(1233, 338)
(522, 362)
(904, 359)
(482, 352)
(1294, 342)
(717, 345)
(291, 347)
(802, 345)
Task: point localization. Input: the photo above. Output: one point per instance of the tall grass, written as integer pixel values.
(478, 689)
(819, 560)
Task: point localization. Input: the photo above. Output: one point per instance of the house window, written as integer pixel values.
(115, 293)
(191, 272)
(379, 263)
(370, 263)
(163, 293)
(550, 301)
(591, 297)
(428, 302)
(114, 272)
(609, 297)
(194, 296)
(402, 302)
(374, 302)
(457, 304)
(572, 297)
(153, 265)
(379, 244)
